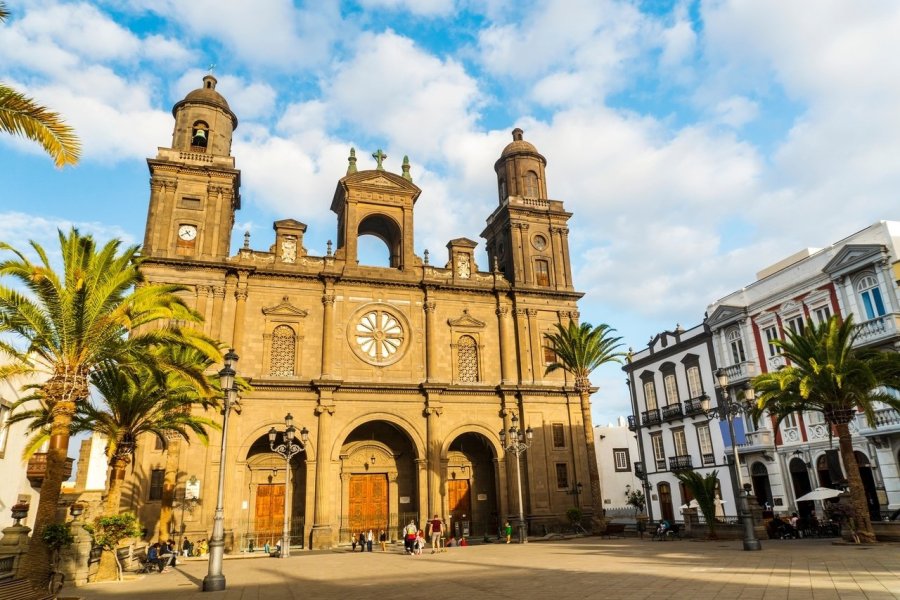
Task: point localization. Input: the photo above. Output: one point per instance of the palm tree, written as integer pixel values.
(580, 349)
(703, 488)
(20, 115)
(827, 374)
(66, 325)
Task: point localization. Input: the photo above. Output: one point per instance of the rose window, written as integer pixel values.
(379, 336)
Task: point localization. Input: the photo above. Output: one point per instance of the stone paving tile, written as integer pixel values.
(560, 570)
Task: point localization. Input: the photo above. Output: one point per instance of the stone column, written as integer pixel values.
(434, 441)
(422, 508)
(327, 331)
(536, 343)
(164, 226)
(430, 337)
(322, 535)
(526, 374)
(200, 303)
(520, 235)
(567, 263)
(228, 307)
(215, 323)
(240, 309)
(507, 346)
(394, 493)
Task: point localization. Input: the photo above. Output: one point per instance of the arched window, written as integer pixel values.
(542, 272)
(502, 190)
(199, 136)
(467, 359)
(737, 346)
(531, 184)
(870, 295)
(284, 352)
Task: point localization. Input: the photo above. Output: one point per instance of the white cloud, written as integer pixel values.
(417, 7)
(736, 111)
(18, 229)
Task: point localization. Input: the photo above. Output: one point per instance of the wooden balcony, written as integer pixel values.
(37, 469)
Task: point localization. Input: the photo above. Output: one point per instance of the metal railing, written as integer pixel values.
(672, 412)
(650, 417)
(257, 535)
(693, 407)
(680, 462)
(639, 470)
(631, 425)
(393, 525)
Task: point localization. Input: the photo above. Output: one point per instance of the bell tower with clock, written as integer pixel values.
(194, 186)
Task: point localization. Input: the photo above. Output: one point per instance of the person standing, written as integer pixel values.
(437, 531)
(382, 539)
(186, 547)
(409, 536)
(362, 541)
(370, 537)
(353, 539)
(507, 530)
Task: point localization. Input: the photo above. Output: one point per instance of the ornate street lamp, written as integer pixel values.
(519, 442)
(576, 491)
(215, 580)
(287, 449)
(728, 408)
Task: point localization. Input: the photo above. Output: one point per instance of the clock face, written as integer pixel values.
(187, 233)
(539, 241)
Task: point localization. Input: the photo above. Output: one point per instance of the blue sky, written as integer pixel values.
(695, 142)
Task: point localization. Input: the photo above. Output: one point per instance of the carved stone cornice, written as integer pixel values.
(466, 320)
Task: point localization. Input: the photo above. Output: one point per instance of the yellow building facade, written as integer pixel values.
(403, 375)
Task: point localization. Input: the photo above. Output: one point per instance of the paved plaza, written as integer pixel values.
(555, 570)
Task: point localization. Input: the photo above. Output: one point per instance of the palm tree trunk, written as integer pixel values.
(593, 472)
(36, 563)
(167, 504)
(119, 465)
(857, 493)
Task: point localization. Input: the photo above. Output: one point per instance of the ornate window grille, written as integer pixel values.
(467, 359)
(284, 352)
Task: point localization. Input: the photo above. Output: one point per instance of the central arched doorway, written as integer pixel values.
(802, 486)
(265, 521)
(379, 481)
(762, 489)
(471, 498)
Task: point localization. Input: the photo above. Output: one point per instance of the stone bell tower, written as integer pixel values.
(194, 186)
(527, 236)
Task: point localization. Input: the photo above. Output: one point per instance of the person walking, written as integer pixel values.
(186, 547)
(370, 537)
(382, 539)
(362, 541)
(507, 530)
(353, 538)
(409, 536)
(437, 531)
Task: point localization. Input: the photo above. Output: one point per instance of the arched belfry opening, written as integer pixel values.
(385, 229)
(266, 473)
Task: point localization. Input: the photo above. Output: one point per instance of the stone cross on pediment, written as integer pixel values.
(379, 157)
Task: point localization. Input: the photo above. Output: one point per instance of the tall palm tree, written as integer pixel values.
(68, 324)
(20, 115)
(580, 349)
(827, 374)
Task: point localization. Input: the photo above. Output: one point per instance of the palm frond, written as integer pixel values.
(21, 115)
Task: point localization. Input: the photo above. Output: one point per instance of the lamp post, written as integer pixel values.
(729, 408)
(287, 449)
(215, 580)
(576, 491)
(519, 442)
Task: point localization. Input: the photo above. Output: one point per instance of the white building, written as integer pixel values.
(856, 276)
(668, 381)
(617, 450)
(13, 469)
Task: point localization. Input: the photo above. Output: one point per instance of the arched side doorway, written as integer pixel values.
(665, 502)
(471, 498)
(868, 481)
(379, 483)
(802, 486)
(264, 521)
(762, 489)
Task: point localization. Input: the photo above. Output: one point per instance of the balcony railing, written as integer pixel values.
(877, 329)
(741, 371)
(693, 407)
(709, 459)
(650, 417)
(631, 425)
(680, 462)
(757, 441)
(37, 469)
(887, 420)
(672, 412)
(639, 470)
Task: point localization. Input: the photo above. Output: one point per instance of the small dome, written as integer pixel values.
(519, 146)
(207, 95)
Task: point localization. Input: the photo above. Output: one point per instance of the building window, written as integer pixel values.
(4, 432)
(467, 359)
(549, 355)
(562, 476)
(695, 388)
(680, 442)
(621, 459)
(559, 435)
(284, 352)
(158, 444)
(659, 453)
(796, 324)
(531, 185)
(542, 272)
(737, 346)
(157, 477)
(870, 294)
(823, 313)
(671, 389)
(650, 395)
(707, 455)
(771, 334)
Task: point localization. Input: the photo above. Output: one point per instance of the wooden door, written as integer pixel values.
(368, 503)
(460, 496)
(665, 502)
(269, 523)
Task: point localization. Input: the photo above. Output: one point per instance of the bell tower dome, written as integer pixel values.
(194, 186)
(527, 237)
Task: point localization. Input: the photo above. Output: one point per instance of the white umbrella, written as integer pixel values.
(820, 493)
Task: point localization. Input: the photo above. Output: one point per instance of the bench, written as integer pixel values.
(614, 529)
(21, 589)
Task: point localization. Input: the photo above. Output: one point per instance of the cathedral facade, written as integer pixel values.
(402, 375)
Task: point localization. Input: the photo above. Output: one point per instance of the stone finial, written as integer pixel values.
(405, 168)
(379, 157)
(351, 162)
(247, 240)
(496, 265)
(517, 134)
(426, 256)
(328, 248)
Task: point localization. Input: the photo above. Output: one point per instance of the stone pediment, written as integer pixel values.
(284, 309)
(853, 257)
(289, 224)
(725, 313)
(381, 181)
(466, 320)
(462, 242)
